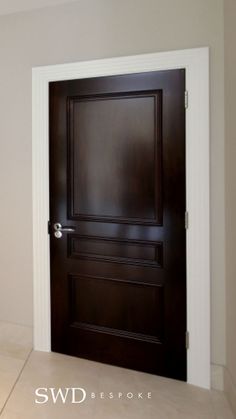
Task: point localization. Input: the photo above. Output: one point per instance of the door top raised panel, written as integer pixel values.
(115, 150)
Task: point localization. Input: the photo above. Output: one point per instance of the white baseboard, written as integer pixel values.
(217, 377)
(230, 390)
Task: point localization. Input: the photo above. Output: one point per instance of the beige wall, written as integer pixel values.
(230, 192)
(83, 30)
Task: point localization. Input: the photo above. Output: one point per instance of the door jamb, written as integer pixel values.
(196, 64)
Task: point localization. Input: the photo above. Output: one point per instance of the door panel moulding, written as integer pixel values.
(196, 64)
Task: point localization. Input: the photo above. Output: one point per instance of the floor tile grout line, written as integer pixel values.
(15, 383)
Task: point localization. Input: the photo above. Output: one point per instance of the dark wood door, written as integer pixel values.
(117, 177)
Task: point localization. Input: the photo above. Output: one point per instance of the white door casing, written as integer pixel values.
(196, 64)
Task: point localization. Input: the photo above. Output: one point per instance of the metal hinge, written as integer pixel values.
(186, 222)
(187, 340)
(186, 99)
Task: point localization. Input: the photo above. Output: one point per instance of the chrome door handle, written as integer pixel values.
(58, 229)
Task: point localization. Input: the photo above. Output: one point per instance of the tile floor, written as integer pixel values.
(23, 371)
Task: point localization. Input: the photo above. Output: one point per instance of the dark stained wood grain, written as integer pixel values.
(117, 174)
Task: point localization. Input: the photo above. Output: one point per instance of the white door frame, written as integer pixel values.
(196, 63)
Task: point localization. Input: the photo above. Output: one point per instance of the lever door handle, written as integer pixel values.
(58, 229)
